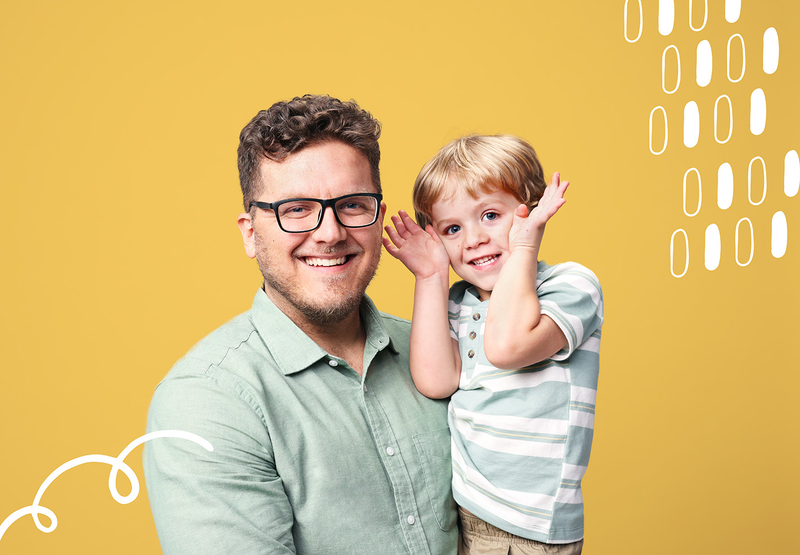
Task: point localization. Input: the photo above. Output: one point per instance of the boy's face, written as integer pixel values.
(475, 234)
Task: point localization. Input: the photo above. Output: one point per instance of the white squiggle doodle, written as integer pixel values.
(117, 464)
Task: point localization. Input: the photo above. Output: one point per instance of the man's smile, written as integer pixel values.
(313, 261)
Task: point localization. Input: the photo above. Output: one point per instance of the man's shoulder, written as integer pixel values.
(217, 346)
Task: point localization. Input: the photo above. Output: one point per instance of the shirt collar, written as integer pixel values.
(292, 349)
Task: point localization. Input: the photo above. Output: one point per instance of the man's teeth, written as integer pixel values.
(484, 261)
(326, 261)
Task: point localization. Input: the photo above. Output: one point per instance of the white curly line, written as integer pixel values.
(117, 464)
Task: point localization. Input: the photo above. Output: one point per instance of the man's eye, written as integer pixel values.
(453, 229)
(353, 207)
(296, 210)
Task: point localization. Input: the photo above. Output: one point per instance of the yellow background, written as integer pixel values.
(119, 123)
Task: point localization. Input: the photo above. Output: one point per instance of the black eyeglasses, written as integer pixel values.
(300, 215)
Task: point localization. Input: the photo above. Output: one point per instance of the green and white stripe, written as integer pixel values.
(521, 438)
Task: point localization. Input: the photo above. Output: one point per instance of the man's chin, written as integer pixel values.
(328, 306)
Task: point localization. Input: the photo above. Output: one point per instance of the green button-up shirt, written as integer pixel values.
(309, 457)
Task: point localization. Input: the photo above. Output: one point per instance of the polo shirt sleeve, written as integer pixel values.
(230, 500)
(571, 295)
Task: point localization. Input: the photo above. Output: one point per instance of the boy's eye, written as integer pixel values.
(450, 230)
(491, 216)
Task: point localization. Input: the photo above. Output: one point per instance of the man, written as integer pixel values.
(321, 443)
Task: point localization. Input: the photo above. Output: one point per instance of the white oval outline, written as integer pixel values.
(717, 237)
(703, 47)
(730, 111)
(736, 243)
(117, 463)
(758, 100)
(625, 22)
(750, 183)
(699, 192)
(779, 217)
(737, 5)
(791, 174)
(744, 58)
(672, 253)
(705, 16)
(690, 110)
(664, 65)
(729, 171)
(666, 131)
(777, 53)
(669, 20)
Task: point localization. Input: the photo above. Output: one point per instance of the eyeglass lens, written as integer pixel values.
(303, 215)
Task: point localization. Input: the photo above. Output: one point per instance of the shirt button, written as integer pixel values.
(472, 335)
(410, 519)
(471, 354)
(365, 388)
(476, 317)
(333, 363)
(389, 451)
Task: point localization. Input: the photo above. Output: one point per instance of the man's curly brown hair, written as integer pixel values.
(288, 127)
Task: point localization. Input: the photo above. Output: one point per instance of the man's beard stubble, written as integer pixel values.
(346, 300)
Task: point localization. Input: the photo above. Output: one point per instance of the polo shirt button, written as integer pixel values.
(472, 335)
(476, 317)
(333, 363)
(389, 451)
(365, 388)
(471, 354)
(410, 519)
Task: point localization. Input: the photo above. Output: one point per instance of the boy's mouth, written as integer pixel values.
(484, 261)
(312, 261)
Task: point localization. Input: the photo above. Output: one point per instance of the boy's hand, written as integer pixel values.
(528, 229)
(420, 250)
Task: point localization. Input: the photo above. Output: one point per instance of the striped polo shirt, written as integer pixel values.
(521, 438)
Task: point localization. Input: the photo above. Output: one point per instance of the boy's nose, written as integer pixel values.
(475, 238)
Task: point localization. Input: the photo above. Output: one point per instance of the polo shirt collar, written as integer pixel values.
(292, 349)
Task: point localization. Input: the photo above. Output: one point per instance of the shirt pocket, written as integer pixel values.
(433, 449)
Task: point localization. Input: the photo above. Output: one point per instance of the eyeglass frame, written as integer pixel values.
(325, 204)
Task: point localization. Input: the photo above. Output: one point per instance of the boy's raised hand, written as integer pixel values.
(528, 229)
(420, 250)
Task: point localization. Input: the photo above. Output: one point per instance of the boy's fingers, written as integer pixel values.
(555, 179)
(410, 224)
(401, 228)
(432, 232)
(393, 235)
(390, 248)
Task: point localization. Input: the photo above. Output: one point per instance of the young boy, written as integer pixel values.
(516, 344)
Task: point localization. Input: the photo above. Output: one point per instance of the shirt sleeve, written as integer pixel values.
(573, 298)
(225, 501)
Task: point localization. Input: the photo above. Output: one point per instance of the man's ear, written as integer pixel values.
(245, 223)
(381, 215)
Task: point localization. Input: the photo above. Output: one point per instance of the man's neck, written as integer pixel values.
(344, 339)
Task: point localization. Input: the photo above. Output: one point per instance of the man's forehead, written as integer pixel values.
(316, 168)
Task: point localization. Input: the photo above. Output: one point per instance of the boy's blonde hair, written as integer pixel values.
(481, 164)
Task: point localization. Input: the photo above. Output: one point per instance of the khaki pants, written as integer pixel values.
(481, 538)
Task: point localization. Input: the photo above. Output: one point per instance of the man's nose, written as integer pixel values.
(330, 230)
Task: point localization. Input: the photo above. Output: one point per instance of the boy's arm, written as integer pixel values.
(517, 334)
(433, 358)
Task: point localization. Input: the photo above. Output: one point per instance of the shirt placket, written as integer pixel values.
(396, 469)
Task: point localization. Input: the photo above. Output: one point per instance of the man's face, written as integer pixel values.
(319, 275)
